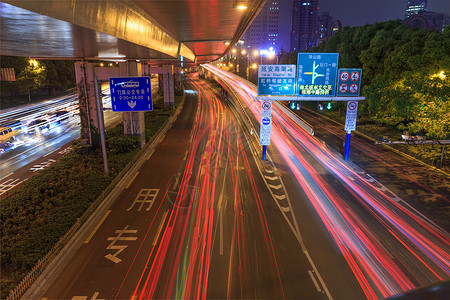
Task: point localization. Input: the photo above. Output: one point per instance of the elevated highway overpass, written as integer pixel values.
(200, 31)
(138, 35)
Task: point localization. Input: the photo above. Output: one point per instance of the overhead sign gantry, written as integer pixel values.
(317, 79)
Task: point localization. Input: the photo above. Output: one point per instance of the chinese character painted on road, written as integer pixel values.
(119, 248)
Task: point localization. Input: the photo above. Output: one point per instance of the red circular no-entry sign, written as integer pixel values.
(344, 76)
(352, 105)
(343, 88)
(354, 76)
(354, 88)
(266, 105)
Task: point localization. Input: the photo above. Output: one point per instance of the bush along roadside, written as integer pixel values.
(36, 216)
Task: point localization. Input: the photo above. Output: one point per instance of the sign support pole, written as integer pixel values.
(264, 152)
(347, 145)
(101, 125)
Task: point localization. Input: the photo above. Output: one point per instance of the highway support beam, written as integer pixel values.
(133, 122)
(90, 123)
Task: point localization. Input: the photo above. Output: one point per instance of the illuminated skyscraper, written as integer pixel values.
(263, 33)
(414, 7)
(304, 32)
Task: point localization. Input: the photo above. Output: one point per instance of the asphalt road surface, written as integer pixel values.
(390, 246)
(199, 220)
(204, 217)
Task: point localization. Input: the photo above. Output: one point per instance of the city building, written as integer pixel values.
(324, 22)
(428, 20)
(414, 7)
(305, 30)
(264, 33)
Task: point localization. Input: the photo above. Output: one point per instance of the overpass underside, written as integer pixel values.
(168, 34)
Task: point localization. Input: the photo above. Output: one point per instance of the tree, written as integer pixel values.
(18, 63)
(31, 78)
(60, 74)
(433, 105)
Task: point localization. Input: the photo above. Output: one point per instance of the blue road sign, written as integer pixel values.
(131, 94)
(266, 121)
(265, 129)
(349, 82)
(276, 80)
(317, 74)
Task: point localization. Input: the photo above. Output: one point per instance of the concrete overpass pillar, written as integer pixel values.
(90, 132)
(177, 81)
(167, 80)
(133, 122)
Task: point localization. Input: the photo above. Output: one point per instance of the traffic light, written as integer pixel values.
(299, 105)
(329, 105)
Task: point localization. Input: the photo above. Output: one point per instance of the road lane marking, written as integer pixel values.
(285, 209)
(314, 280)
(151, 154)
(145, 196)
(221, 231)
(119, 248)
(280, 197)
(6, 175)
(97, 227)
(275, 187)
(163, 219)
(9, 184)
(132, 179)
(177, 180)
(271, 177)
(94, 297)
(52, 151)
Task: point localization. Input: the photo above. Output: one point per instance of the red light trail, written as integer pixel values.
(390, 247)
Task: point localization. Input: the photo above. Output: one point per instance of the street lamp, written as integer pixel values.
(256, 53)
(271, 56)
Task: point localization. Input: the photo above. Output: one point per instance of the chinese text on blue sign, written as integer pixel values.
(131, 94)
(349, 82)
(276, 79)
(317, 74)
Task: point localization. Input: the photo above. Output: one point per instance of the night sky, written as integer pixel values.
(359, 12)
(354, 13)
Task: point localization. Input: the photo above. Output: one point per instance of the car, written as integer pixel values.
(6, 135)
(15, 125)
(37, 126)
(61, 115)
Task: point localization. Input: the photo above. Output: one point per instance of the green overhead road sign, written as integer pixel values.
(317, 74)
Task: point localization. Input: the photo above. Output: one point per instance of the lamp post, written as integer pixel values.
(272, 56)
